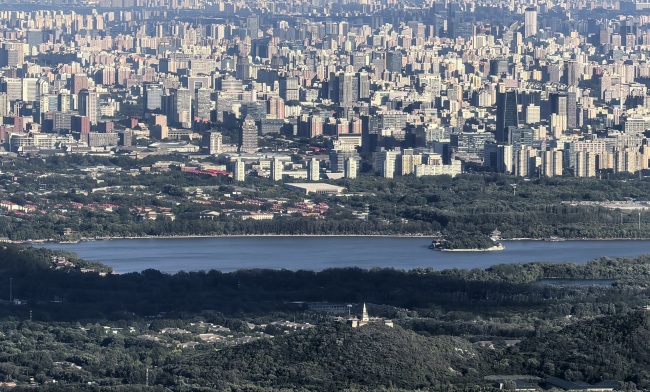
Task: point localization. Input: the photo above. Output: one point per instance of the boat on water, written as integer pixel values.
(554, 239)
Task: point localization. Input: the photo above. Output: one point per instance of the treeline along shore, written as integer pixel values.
(72, 322)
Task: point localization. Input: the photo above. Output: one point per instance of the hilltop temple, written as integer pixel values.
(354, 322)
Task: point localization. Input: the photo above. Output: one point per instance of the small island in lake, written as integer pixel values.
(463, 241)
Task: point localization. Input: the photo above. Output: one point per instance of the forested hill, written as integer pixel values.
(604, 348)
(338, 357)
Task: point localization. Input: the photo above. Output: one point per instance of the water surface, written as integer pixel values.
(319, 253)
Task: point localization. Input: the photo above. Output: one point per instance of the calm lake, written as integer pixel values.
(318, 253)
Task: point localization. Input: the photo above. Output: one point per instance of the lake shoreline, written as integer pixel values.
(198, 236)
(317, 253)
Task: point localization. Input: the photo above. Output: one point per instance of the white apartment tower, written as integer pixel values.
(239, 170)
(385, 163)
(216, 143)
(530, 22)
(313, 170)
(351, 168)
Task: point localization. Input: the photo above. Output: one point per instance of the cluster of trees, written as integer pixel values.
(438, 316)
(606, 348)
(469, 203)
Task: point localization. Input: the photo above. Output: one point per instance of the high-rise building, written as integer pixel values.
(276, 169)
(248, 136)
(573, 72)
(530, 22)
(386, 163)
(394, 61)
(275, 108)
(524, 161)
(78, 82)
(13, 87)
(351, 167)
(29, 90)
(289, 88)
(533, 114)
(507, 115)
(98, 139)
(339, 157)
(348, 88)
(204, 104)
(216, 141)
(409, 159)
(364, 85)
(552, 163)
(585, 164)
(243, 68)
(181, 107)
(81, 125)
(11, 54)
(565, 104)
(519, 136)
(313, 169)
(89, 105)
(152, 97)
(239, 170)
(253, 26)
(158, 128)
(572, 108)
(499, 67)
(34, 38)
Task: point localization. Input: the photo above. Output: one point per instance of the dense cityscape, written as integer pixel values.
(467, 124)
(412, 88)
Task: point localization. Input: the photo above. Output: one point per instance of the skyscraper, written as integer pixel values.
(530, 22)
(181, 107)
(572, 108)
(348, 88)
(248, 136)
(507, 115)
(253, 26)
(204, 103)
(364, 85)
(89, 105)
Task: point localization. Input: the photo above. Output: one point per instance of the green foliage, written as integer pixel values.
(611, 347)
(577, 332)
(338, 357)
